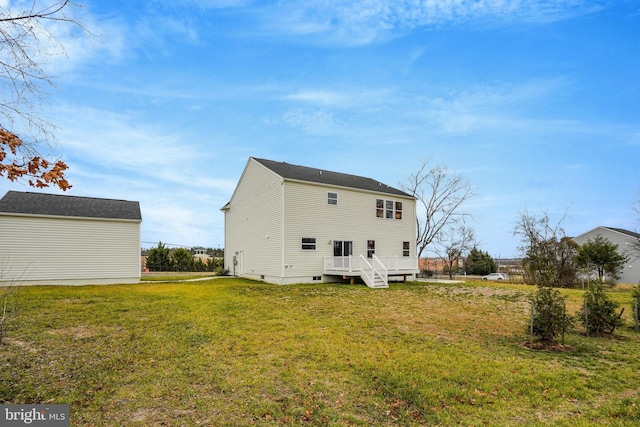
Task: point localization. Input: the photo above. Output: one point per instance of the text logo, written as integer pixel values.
(34, 415)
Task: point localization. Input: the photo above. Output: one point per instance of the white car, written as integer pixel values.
(495, 276)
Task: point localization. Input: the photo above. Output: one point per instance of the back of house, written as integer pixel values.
(295, 224)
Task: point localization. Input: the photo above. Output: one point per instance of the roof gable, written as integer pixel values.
(321, 176)
(27, 203)
(611, 229)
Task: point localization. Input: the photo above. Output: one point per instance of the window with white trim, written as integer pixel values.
(308, 243)
(398, 210)
(332, 198)
(371, 248)
(388, 209)
(406, 248)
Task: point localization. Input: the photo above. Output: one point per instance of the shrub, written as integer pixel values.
(598, 313)
(548, 317)
(158, 259)
(636, 305)
(181, 260)
(221, 271)
(480, 263)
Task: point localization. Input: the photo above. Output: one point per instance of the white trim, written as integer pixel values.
(70, 217)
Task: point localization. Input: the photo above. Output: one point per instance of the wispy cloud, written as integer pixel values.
(366, 21)
(340, 99)
(316, 122)
(115, 142)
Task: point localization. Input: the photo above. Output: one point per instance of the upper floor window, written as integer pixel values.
(332, 198)
(380, 208)
(388, 209)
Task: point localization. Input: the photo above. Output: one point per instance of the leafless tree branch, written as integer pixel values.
(440, 196)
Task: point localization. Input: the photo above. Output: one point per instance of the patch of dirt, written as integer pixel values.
(76, 332)
(80, 332)
(548, 346)
(18, 343)
(159, 416)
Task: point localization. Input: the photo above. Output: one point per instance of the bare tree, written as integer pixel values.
(548, 252)
(25, 43)
(635, 245)
(454, 242)
(440, 196)
(8, 298)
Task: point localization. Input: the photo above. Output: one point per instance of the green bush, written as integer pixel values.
(480, 263)
(598, 314)
(548, 317)
(158, 259)
(636, 305)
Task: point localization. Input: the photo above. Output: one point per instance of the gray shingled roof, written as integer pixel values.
(321, 176)
(623, 231)
(16, 202)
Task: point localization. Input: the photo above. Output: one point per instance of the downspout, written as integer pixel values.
(282, 223)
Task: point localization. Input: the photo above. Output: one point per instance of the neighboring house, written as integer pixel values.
(68, 240)
(291, 224)
(626, 241)
(200, 253)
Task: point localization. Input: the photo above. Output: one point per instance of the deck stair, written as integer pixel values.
(374, 273)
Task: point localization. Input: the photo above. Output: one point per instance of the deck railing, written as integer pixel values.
(351, 264)
(380, 269)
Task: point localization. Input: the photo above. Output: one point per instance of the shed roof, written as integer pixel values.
(27, 203)
(321, 176)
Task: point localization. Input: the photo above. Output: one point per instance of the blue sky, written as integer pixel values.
(536, 102)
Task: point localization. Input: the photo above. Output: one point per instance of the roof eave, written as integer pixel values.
(321, 184)
(83, 218)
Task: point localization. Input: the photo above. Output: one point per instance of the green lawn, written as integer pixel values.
(229, 352)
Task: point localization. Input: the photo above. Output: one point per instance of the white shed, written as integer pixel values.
(291, 224)
(68, 240)
(627, 242)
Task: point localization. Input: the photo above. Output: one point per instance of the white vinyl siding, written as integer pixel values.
(77, 251)
(268, 216)
(308, 214)
(253, 224)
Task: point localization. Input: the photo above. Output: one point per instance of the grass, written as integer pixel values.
(174, 276)
(230, 352)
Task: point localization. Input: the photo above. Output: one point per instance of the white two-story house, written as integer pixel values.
(290, 224)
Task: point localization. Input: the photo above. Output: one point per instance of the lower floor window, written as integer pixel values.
(406, 248)
(308, 243)
(371, 248)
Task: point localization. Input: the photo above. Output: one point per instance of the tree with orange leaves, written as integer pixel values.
(24, 41)
(38, 171)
